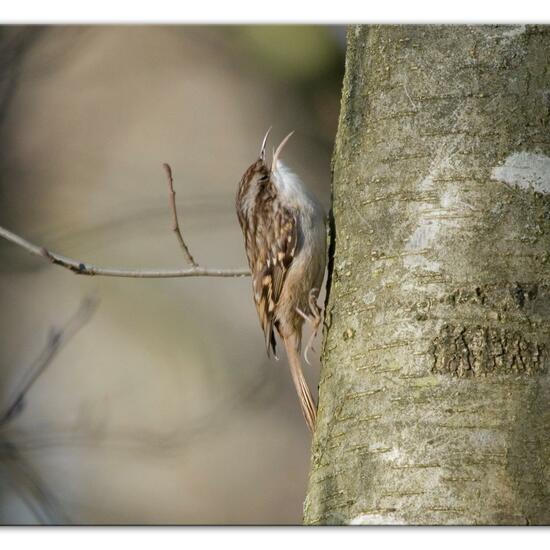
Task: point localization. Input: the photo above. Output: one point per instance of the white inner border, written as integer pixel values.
(279, 11)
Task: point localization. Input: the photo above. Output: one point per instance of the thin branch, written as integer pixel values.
(175, 223)
(56, 340)
(82, 268)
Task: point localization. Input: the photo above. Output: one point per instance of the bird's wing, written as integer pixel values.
(272, 246)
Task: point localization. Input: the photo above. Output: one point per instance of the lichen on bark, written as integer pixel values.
(435, 394)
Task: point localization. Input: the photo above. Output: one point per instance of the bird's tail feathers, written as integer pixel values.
(309, 409)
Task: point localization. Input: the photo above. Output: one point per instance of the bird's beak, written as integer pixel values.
(262, 150)
(277, 152)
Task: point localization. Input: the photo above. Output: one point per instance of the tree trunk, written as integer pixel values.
(435, 394)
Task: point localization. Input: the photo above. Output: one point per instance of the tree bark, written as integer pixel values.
(434, 393)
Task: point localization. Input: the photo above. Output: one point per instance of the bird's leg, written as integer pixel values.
(314, 319)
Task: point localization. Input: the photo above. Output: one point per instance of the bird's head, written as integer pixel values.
(261, 171)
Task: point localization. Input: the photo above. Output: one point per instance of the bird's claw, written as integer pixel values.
(314, 319)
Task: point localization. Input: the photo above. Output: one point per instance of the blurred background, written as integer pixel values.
(162, 407)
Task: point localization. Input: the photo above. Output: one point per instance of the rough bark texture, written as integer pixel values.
(435, 393)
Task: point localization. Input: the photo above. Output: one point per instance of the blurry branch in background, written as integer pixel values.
(258, 392)
(29, 487)
(27, 483)
(56, 340)
(20, 475)
(14, 45)
(82, 268)
(48, 509)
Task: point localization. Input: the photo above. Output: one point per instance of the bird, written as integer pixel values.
(284, 229)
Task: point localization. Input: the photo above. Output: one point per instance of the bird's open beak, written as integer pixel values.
(262, 150)
(277, 152)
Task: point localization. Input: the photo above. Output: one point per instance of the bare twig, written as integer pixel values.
(56, 340)
(175, 224)
(81, 268)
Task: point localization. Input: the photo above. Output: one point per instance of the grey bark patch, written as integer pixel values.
(466, 351)
(525, 170)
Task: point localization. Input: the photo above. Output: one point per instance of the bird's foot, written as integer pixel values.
(313, 319)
